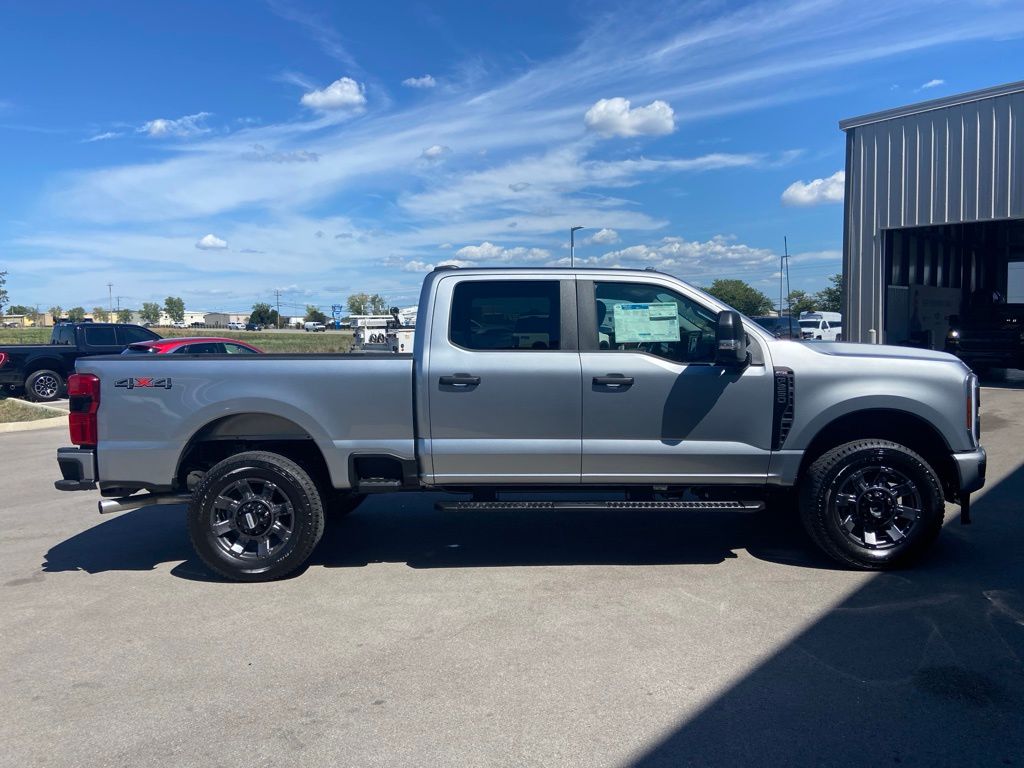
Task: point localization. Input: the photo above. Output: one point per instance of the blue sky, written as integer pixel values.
(220, 151)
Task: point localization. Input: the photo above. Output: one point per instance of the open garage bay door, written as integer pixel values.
(972, 272)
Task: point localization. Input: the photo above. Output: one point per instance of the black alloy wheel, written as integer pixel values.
(872, 504)
(255, 516)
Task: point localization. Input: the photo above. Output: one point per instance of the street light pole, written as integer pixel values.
(572, 245)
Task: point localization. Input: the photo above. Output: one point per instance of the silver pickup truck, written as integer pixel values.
(628, 383)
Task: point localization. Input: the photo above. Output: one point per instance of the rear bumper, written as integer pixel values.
(77, 468)
(971, 466)
(11, 379)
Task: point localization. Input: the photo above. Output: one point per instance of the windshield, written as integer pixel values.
(139, 349)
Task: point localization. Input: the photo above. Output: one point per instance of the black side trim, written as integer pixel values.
(782, 417)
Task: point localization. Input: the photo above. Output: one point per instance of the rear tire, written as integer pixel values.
(872, 504)
(256, 516)
(44, 386)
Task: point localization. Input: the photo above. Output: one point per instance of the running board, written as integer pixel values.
(574, 506)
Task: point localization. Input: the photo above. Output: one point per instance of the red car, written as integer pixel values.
(198, 345)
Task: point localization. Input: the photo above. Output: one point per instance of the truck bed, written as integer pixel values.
(342, 402)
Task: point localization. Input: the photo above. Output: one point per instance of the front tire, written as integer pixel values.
(44, 385)
(872, 504)
(256, 516)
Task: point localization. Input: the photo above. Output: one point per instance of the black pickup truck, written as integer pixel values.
(42, 369)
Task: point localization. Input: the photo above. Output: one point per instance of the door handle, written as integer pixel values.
(614, 380)
(459, 380)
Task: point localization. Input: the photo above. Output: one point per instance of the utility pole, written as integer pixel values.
(277, 295)
(572, 246)
(789, 288)
(110, 297)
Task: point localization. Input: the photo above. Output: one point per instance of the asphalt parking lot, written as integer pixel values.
(439, 639)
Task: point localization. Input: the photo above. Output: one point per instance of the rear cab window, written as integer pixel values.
(519, 315)
(100, 336)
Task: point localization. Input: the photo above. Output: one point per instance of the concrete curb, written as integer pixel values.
(28, 426)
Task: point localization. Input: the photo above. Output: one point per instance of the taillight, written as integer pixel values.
(84, 402)
(3, 359)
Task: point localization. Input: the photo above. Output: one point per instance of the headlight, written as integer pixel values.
(953, 334)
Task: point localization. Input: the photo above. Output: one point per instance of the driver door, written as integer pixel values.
(656, 408)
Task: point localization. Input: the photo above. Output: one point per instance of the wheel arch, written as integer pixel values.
(251, 431)
(54, 364)
(897, 425)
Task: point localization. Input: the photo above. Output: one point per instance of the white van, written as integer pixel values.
(314, 327)
(825, 326)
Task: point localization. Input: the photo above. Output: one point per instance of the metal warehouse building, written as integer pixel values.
(934, 214)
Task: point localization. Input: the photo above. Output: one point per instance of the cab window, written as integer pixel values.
(640, 317)
(238, 349)
(506, 315)
(100, 336)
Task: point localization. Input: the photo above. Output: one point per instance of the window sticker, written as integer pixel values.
(646, 322)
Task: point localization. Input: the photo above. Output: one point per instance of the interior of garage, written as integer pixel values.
(970, 272)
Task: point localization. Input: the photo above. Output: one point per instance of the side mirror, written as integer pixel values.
(730, 339)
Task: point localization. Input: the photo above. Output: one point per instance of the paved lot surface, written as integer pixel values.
(429, 639)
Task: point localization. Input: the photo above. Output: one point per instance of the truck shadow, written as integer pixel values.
(398, 528)
(921, 667)
(390, 529)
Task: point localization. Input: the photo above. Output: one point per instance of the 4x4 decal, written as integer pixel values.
(141, 381)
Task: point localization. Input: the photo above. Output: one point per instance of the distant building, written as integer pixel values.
(221, 319)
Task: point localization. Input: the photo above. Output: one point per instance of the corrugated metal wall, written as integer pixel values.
(960, 163)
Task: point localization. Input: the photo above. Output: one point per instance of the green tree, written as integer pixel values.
(18, 309)
(831, 299)
(124, 315)
(741, 296)
(366, 304)
(76, 314)
(175, 308)
(263, 314)
(100, 315)
(3, 291)
(314, 315)
(56, 312)
(801, 301)
(150, 312)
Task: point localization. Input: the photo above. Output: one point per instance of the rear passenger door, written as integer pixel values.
(503, 382)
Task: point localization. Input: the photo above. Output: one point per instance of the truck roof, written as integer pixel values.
(553, 270)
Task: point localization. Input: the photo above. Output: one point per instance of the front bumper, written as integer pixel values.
(971, 467)
(78, 469)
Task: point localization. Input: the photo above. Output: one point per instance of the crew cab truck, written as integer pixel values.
(628, 382)
(42, 369)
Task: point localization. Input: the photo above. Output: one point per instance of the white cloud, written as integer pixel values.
(427, 81)
(183, 127)
(421, 266)
(816, 192)
(613, 117)
(721, 256)
(343, 94)
(211, 243)
(605, 237)
(105, 136)
(489, 253)
(435, 152)
(933, 84)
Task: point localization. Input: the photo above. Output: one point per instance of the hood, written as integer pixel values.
(876, 351)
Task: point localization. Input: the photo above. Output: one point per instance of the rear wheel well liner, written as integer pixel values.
(251, 431)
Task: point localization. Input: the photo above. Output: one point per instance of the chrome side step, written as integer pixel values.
(127, 503)
(466, 506)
